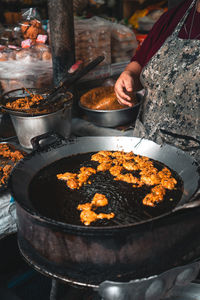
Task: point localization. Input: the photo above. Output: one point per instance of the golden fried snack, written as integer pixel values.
(76, 180)
(88, 216)
(26, 102)
(10, 155)
(99, 200)
(120, 165)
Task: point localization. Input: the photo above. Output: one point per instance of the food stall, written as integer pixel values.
(134, 249)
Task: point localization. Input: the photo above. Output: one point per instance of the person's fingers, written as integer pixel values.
(124, 88)
(128, 84)
(120, 90)
(123, 101)
(122, 94)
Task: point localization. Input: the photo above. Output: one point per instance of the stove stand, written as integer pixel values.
(164, 286)
(61, 291)
(152, 288)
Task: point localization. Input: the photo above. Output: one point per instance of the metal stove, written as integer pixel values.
(175, 284)
(190, 292)
(172, 284)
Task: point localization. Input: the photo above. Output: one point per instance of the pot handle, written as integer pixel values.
(46, 140)
(194, 202)
(8, 139)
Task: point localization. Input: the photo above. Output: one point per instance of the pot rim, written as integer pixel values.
(23, 113)
(37, 115)
(109, 111)
(34, 213)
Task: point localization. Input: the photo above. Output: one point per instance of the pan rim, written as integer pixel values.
(37, 216)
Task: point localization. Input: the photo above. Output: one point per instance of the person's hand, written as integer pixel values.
(124, 87)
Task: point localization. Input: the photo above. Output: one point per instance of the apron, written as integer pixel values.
(171, 108)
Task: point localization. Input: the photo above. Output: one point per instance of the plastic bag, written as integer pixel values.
(10, 36)
(25, 57)
(7, 215)
(123, 43)
(31, 14)
(25, 72)
(122, 33)
(92, 38)
(31, 25)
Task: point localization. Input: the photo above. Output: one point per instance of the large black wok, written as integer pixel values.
(90, 255)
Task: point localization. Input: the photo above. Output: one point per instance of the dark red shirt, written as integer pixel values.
(164, 28)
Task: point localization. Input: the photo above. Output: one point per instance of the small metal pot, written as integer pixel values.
(112, 118)
(28, 126)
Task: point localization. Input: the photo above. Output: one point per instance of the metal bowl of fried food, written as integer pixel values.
(29, 122)
(100, 107)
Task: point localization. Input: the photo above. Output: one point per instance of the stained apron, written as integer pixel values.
(171, 108)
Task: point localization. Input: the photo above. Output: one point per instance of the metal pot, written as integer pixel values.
(112, 118)
(28, 126)
(89, 255)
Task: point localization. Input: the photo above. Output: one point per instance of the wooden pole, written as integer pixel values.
(61, 21)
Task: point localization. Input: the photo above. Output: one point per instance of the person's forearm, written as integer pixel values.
(135, 69)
